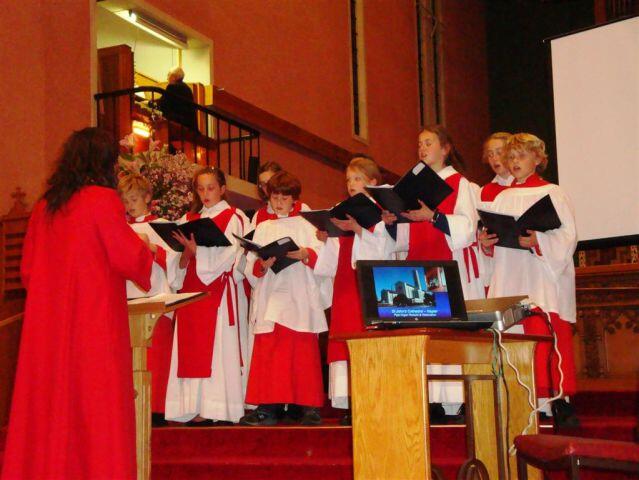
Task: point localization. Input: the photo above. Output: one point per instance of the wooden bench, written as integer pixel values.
(557, 452)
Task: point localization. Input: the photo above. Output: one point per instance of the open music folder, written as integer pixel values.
(204, 230)
(540, 217)
(278, 249)
(419, 183)
(169, 299)
(359, 206)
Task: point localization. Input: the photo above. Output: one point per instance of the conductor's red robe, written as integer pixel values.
(73, 414)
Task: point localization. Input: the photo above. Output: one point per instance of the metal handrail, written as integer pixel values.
(241, 142)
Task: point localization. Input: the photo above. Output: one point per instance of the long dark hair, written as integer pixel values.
(88, 158)
(454, 158)
(196, 203)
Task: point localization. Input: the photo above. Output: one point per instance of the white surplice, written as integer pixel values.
(221, 396)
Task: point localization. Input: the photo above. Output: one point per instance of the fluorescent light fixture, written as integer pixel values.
(141, 129)
(154, 27)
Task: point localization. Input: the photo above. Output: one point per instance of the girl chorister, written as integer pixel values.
(205, 379)
(493, 155)
(446, 233)
(544, 270)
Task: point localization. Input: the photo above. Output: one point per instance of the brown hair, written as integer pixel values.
(269, 167)
(527, 142)
(367, 166)
(196, 203)
(88, 158)
(266, 167)
(453, 158)
(284, 183)
(134, 182)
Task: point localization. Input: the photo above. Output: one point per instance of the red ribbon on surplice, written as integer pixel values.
(470, 257)
(196, 328)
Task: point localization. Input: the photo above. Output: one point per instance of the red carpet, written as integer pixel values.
(325, 453)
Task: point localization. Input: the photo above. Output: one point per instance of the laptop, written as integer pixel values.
(410, 294)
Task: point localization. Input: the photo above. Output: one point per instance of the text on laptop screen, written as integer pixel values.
(411, 292)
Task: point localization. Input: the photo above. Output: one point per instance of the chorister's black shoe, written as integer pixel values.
(294, 413)
(346, 420)
(202, 423)
(564, 414)
(158, 420)
(311, 417)
(223, 423)
(260, 417)
(436, 413)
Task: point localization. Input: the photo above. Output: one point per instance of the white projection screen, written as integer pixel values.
(595, 75)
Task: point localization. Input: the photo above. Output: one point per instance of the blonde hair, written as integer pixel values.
(134, 182)
(527, 142)
(503, 136)
(367, 166)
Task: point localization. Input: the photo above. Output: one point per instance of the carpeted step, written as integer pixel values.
(608, 428)
(282, 442)
(260, 467)
(606, 404)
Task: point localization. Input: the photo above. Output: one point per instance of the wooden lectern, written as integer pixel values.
(142, 319)
(389, 397)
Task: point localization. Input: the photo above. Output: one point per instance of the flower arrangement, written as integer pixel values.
(170, 175)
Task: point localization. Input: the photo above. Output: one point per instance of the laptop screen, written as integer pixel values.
(410, 293)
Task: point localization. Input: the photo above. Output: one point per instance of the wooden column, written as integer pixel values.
(142, 326)
(390, 408)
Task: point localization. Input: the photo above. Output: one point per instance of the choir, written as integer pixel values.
(253, 344)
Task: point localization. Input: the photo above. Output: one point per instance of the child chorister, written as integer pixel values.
(544, 270)
(205, 381)
(337, 260)
(136, 194)
(266, 212)
(446, 233)
(287, 314)
(493, 155)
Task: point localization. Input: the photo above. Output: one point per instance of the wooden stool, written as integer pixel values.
(557, 452)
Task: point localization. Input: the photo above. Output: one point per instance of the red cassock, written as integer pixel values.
(159, 353)
(73, 413)
(346, 311)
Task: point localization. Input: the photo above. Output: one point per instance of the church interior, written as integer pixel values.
(310, 85)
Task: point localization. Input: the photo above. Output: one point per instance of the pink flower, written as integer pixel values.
(155, 145)
(128, 141)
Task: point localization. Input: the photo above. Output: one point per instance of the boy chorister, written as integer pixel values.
(286, 316)
(544, 270)
(337, 260)
(136, 194)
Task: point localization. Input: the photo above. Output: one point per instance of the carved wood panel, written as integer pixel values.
(608, 321)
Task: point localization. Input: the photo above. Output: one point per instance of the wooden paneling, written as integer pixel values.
(115, 67)
(608, 325)
(10, 328)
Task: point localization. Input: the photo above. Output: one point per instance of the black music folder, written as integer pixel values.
(540, 217)
(419, 183)
(278, 249)
(204, 230)
(359, 206)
